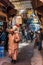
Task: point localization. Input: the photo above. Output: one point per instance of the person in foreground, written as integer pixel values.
(14, 39)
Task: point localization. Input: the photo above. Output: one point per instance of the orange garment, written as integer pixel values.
(13, 46)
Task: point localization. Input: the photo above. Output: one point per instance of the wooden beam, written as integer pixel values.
(19, 0)
(37, 3)
(40, 10)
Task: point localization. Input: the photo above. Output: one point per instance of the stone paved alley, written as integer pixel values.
(27, 56)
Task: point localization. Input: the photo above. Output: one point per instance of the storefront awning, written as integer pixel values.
(40, 10)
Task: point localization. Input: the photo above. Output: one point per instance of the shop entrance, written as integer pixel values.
(3, 34)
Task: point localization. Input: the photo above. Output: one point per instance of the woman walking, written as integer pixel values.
(14, 39)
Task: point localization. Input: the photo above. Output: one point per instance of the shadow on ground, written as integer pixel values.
(25, 55)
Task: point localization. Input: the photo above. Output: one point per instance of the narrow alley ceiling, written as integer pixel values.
(21, 4)
(19, 0)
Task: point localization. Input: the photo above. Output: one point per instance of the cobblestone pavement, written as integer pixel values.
(27, 56)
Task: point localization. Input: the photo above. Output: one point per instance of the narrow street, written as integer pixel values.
(21, 32)
(27, 56)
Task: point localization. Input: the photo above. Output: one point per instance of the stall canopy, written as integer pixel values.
(38, 6)
(9, 6)
(40, 10)
(37, 3)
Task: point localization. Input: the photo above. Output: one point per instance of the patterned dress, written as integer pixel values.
(13, 45)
